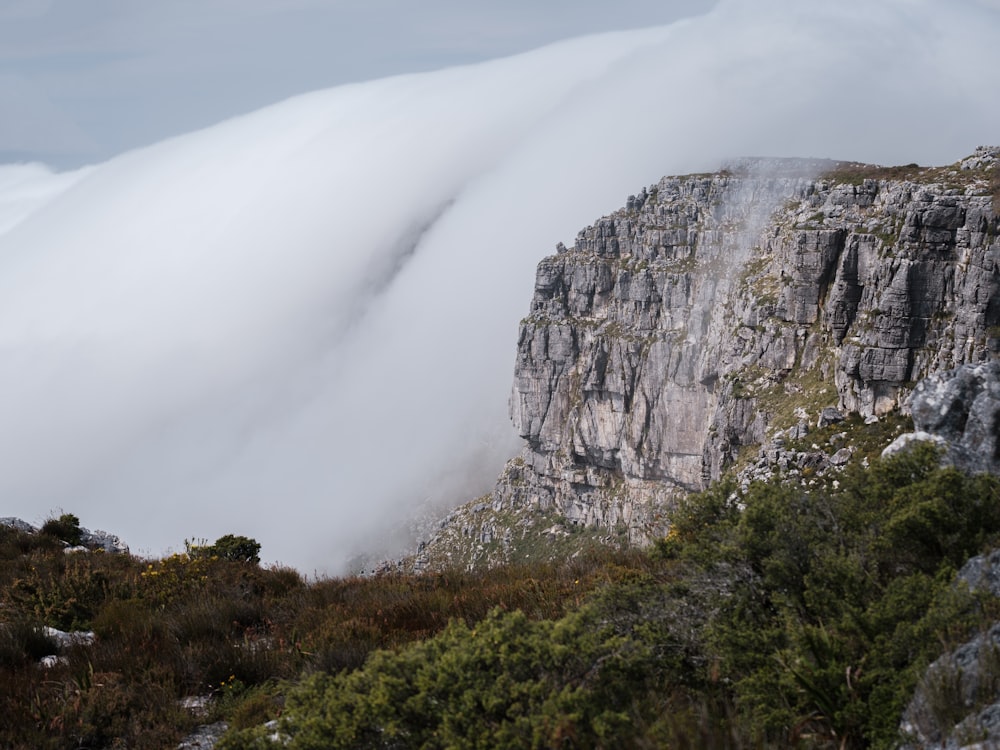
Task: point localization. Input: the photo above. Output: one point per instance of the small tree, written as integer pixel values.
(239, 548)
(66, 528)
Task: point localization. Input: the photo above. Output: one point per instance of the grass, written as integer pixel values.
(950, 177)
(854, 173)
(190, 625)
(867, 440)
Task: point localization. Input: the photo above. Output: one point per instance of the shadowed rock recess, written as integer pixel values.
(682, 330)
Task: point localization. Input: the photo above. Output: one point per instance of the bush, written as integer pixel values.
(65, 528)
(507, 682)
(848, 591)
(229, 547)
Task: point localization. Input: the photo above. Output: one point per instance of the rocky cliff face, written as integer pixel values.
(680, 333)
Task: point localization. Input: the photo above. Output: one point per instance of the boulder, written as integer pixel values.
(959, 410)
(966, 677)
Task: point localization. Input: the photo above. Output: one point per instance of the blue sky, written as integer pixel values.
(81, 81)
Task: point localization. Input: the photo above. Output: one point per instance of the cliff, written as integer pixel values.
(716, 316)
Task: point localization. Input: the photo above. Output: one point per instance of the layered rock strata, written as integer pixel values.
(680, 332)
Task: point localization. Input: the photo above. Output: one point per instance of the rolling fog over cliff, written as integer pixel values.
(300, 324)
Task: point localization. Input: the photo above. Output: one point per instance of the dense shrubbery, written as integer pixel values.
(775, 617)
(846, 592)
(228, 547)
(197, 624)
(65, 528)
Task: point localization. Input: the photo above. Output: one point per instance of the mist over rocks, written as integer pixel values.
(310, 311)
(719, 310)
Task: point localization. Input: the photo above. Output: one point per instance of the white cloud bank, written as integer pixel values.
(299, 324)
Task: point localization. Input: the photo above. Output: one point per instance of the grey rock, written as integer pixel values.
(62, 641)
(650, 344)
(829, 415)
(841, 457)
(982, 573)
(909, 439)
(965, 676)
(963, 670)
(983, 158)
(959, 410)
(197, 704)
(799, 431)
(103, 540)
(90, 540)
(75, 638)
(17, 523)
(204, 737)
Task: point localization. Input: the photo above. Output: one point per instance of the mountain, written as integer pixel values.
(715, 321)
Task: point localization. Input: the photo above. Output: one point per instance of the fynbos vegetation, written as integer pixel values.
(776, 616)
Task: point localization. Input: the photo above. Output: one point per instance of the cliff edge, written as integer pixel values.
(691, 331)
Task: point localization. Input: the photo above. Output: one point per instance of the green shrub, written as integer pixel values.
(848, 592)
(230, 547)
(506, 682)
(65, 528)
(64, 594)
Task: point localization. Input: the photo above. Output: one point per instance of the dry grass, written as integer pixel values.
(854, 173)
(185, 626)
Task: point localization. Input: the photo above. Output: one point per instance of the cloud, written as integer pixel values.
(130, 74)
(299, 325)
(24, 188)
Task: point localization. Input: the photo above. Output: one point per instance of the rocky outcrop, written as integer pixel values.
(959, 410)
(957, 704)
(679, 334)
(89, 540)
(204, 737)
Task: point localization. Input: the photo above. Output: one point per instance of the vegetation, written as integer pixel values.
(65, 528)
(204, 624)
(779, 616)
(776, 617)
(949, 176)
(228, 547)
(854, 173)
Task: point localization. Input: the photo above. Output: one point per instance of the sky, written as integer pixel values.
(83, 81)
(299, 323)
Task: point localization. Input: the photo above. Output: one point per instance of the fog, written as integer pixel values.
(300, 324)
